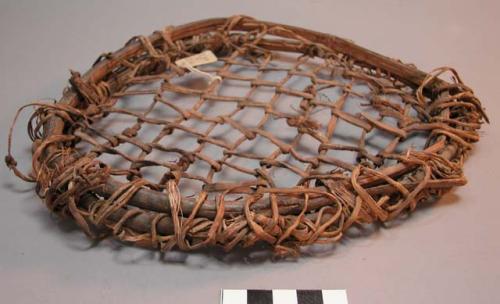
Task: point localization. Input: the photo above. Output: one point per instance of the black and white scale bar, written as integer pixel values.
(283, 296)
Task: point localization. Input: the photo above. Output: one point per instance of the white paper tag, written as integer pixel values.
(204, 57)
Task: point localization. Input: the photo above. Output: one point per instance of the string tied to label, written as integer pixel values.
(191, 62)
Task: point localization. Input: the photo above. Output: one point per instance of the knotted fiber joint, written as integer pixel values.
(74, 138)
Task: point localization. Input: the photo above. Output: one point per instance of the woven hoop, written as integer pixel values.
(330, 194)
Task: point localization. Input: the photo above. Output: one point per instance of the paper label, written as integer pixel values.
(204, 57)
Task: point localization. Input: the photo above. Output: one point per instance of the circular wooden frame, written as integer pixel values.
(318, 210)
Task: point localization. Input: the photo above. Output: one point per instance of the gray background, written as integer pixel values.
(446, 253)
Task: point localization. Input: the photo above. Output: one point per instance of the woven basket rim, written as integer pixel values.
(427, 84)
